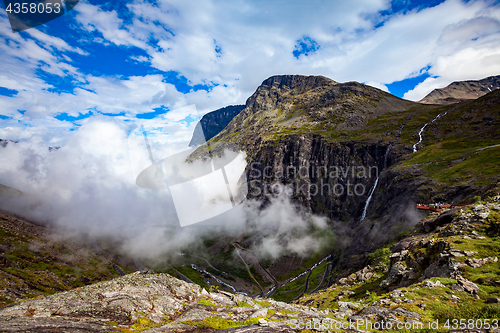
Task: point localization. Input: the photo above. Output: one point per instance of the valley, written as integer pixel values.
(351, 162)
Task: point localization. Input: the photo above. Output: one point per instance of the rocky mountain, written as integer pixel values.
(363, 159)
(444, 268)
(212, 123)
(325, 140)
(289, 104)
(292, 121)
(148, 302)
(462, 91)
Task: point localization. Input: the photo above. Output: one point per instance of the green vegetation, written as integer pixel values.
(441, 303)
(243, 305)
(264, 304)
(221, 323)
(469, 310)
(381, 255)
(32, 265)
(144, 323)
(206, 302)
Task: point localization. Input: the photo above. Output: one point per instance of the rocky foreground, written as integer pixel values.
(152, 303)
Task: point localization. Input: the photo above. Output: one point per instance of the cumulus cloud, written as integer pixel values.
(232, 46)
(378, 85)
(285, 228)
(254, 43)
(88, 186)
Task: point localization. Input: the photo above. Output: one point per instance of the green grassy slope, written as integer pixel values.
(35, 262)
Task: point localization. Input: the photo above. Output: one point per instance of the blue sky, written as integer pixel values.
(133, 60)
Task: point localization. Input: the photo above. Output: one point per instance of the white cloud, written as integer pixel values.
(88, 186)
(426, 87)
(231, 46)
(378, 85)
(254, 40)
(467, 64)
(54, 42)
(257, 41)
(107, 23)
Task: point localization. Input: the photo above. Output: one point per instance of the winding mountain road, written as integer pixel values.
(276, 284)
(116, 267)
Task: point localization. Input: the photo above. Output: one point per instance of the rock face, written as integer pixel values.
(212, 123)
(418, 258)
(427, 275)
(285, 130)
(151, 302)
(462, 91)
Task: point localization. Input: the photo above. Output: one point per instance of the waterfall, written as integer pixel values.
(422, 129)
(372, 190)
(419, 138)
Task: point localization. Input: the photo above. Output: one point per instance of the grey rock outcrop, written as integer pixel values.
(156, 301)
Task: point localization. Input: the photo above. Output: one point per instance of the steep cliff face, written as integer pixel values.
(462, 91)
(212, 123)
(331, 178)
(292, 123)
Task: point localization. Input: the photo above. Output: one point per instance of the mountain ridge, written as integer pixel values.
(461, 91)
(310, 122)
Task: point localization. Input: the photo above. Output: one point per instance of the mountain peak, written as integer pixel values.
(298, 104)
(300, 82)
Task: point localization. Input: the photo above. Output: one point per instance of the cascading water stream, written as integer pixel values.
(423, 128)
(370, 194)
(372, 190)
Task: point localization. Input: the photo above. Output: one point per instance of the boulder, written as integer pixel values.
(396, 272)
(444, 266)
(402, 245)
(481, 211)
(259, 313)
(468, 286)
(430, 284)
(476, 263)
